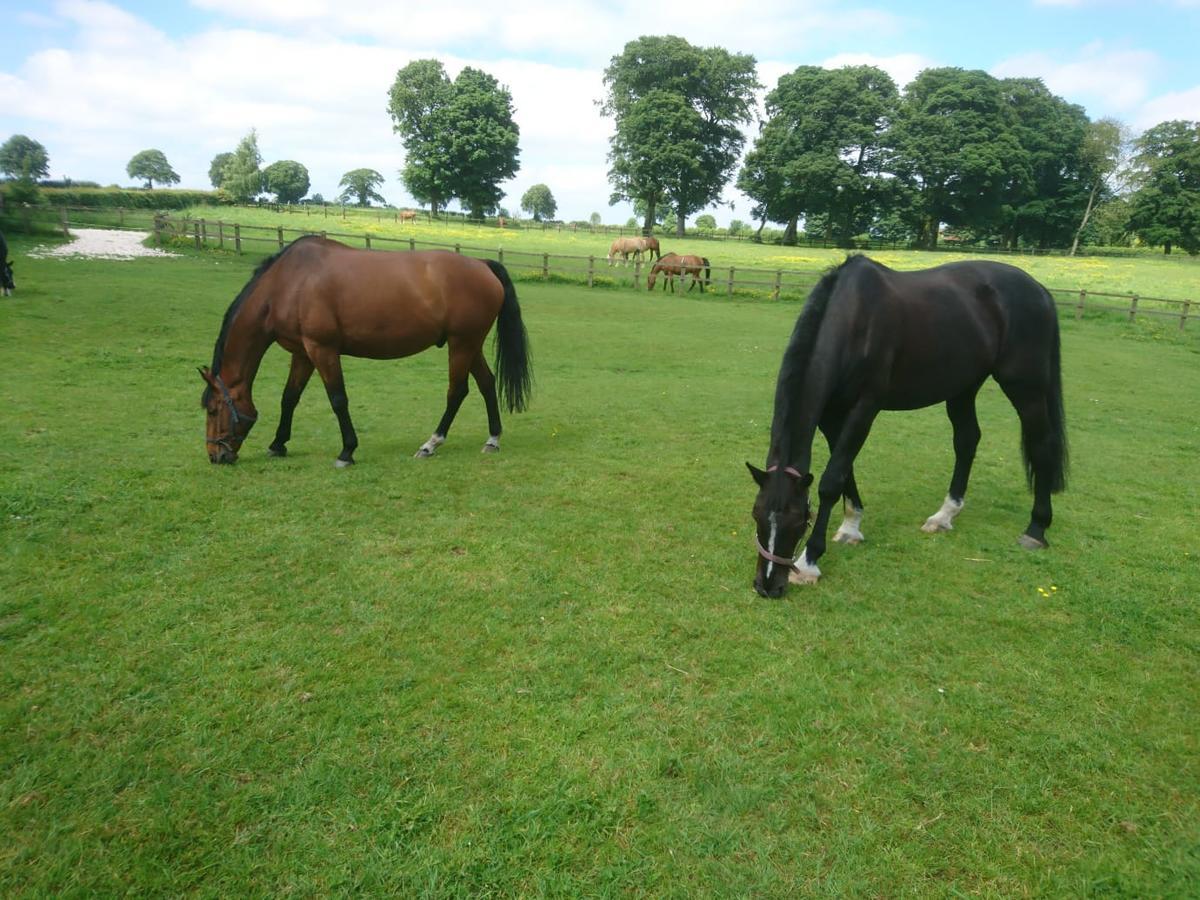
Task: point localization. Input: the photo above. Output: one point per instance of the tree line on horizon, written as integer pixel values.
(841, 153)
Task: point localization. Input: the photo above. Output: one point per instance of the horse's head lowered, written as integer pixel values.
(6, 276)
(781, 516)
(230, 416)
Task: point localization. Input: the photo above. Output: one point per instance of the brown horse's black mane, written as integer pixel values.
(231, 313)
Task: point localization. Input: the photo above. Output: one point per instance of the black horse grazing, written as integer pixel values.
(6, 272)
(871, 339)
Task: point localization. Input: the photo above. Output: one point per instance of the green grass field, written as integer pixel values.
(545, 672)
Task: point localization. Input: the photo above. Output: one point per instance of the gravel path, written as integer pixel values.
(100, 243)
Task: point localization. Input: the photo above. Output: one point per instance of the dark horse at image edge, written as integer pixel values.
(6, 269)
(870, 339)
(320, 300)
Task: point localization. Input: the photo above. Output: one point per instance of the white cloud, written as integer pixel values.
(903, 67)
(1175, 105)
(1107, 82)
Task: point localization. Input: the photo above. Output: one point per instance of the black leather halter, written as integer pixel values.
(235, 418)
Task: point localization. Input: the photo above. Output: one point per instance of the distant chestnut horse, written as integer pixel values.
(625, 248)
(674, 266)
(650, 244)
(320, 300)
(407, 215)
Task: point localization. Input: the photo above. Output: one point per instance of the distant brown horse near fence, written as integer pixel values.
(624, 248)
(674, 266)
(650, 244)
(321, 300)
(407, 215)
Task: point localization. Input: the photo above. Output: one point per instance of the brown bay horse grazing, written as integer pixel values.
(320, 300)
(674, 266)
(870, 339)
(624, 248)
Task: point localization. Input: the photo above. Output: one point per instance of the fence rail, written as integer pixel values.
(592, 270)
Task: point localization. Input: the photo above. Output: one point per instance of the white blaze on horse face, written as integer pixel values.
(771, 544)
(943, 519)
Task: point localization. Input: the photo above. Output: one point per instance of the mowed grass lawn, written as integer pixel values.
(545, 672)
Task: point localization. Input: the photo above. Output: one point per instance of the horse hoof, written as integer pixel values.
(1031, 543)
(849, 537)
(343, 463)
(423, 453)
(490, 448)
(933, 525)
(282, 451)
(797, 576)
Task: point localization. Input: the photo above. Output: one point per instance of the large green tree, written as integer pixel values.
(459, 136)
(287, 180)
(216, 169)
(819, 153)
(1104, 145)
(954, 148)
(1044, 198)
(242, 175)
(1165, 207)
(678, 112)
(359, 186)
(539, 202)
(23, 157)
(151, 166)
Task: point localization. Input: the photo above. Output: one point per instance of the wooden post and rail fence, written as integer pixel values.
(590, 270)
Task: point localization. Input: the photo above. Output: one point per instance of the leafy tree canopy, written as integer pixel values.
(539, 202)
(242, 176)
(151, 166)
(1165, 208)
(359, 185)
(459, 136)
(287, 180)
(23, 157)
(678, 112)
(216, 169)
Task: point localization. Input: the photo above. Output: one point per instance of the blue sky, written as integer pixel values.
(96, 82)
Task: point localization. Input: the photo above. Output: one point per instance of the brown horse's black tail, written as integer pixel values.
(512, 346)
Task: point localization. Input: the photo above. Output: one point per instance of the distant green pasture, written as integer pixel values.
(545, 672)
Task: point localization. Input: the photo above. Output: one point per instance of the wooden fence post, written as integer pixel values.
(545, 265)
(279, 232)
(203, 232)
(121, 216)
(458, 248)
(592, 272)
(778, 277)
(500, 255)
(367, 238)
(412, 244)
(62, 212)
(196, 231)
(1082, 301)
(637, 274)
(730, 281)
(1133, 306)
(220, 234)
(237, 237)
(1187, 305)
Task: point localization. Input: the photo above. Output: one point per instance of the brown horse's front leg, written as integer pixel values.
(329, 364)
(301, 371)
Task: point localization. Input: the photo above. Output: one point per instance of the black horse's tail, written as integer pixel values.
(512, 346)
(1058, 455)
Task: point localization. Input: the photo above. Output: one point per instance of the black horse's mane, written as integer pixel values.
(797, 356)
(231, 313)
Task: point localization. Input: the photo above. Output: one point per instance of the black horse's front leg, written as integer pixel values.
(834, 483)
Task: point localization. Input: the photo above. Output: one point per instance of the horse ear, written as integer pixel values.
(206, 375)
(759, 476)
(806, 479)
